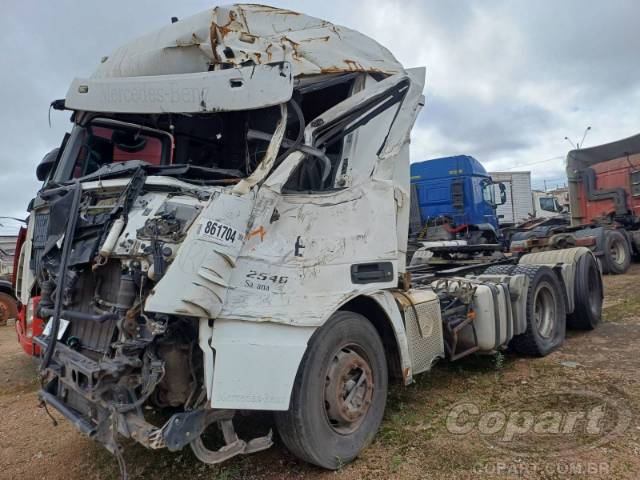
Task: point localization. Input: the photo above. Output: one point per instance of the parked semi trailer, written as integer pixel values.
(225, 229)
(604, 193)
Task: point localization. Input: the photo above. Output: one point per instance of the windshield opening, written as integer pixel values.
(488, 193)
(218, 148)
(101, 145)
(217, 142)
(550, 204)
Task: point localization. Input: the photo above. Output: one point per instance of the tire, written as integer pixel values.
(499, 270)
(617, 254)
(604, 266)
(588, 294)
(8, 308)
(545, 298)
(314, 428)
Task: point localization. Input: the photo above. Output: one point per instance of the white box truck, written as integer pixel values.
(523, 203)
(519, 205)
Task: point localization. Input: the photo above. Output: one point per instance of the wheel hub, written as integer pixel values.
(544, 311)
(617, 253)
(348, 390)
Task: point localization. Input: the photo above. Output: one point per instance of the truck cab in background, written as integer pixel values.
(458, 195)
(546, 205)
(604, 196)
(453, 214)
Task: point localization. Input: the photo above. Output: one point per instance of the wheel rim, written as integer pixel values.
(545, 310)
(618, 253)
(348, 389)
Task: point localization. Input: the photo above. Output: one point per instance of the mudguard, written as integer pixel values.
(564, 263)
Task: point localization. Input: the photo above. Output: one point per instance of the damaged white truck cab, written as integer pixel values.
(225, 228)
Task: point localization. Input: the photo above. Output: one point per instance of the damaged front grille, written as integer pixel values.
(93, 336)
(101, 254)
(96, 293)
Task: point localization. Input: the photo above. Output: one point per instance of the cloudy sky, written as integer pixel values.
(506, 80)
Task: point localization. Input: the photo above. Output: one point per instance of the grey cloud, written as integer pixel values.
(486, 129)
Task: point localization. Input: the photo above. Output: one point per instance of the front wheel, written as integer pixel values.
(339, 396)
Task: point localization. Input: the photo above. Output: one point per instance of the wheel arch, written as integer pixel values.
(255, 351)
(382, 312)
(563, 263)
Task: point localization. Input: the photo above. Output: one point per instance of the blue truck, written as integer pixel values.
(456, 199)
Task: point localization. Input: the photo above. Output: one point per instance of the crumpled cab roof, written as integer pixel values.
(239, 34)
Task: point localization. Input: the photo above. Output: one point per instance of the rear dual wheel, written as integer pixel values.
(546, 309)
(546, 312)
(500, 270)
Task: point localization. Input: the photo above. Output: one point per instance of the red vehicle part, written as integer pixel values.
(604, 183)
(29, 326)
(619, 173)
(604, 191)
(457, 229)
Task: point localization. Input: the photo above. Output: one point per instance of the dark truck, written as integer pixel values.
(604, 192)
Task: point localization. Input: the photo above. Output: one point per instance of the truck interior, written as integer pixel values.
(229, 145)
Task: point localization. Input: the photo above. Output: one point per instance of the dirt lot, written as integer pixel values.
(417, 439)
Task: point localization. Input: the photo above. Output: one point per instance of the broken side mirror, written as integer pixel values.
(47, 163)
(50, 160)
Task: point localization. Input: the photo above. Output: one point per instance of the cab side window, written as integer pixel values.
(351, 144)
